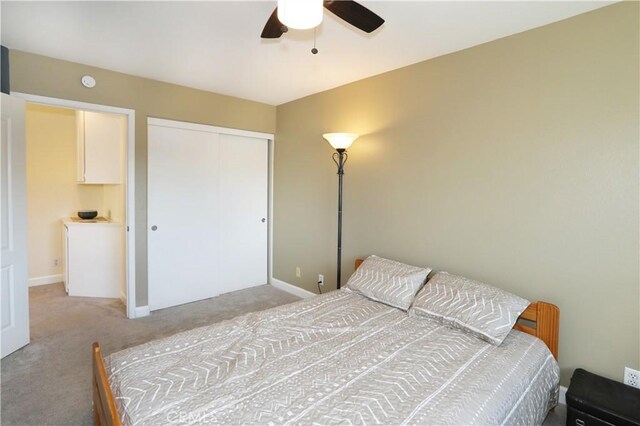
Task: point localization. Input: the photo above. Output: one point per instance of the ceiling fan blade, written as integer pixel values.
(355, 14)
(273, 28)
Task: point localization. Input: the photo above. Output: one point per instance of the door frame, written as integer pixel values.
(270, 156)
(130, 245)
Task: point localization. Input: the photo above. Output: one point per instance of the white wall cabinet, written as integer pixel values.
(93, 264)
(100, 141)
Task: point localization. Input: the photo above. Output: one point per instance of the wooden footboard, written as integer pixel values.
(104, 405)
(540, 319)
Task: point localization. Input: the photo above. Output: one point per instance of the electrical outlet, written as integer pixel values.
(632, 377)
(320, 279)
(298, 273)
(55, 262)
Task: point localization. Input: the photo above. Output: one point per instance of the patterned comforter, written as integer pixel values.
(338, 358)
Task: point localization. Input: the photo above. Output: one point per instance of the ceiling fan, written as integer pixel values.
(306, 14)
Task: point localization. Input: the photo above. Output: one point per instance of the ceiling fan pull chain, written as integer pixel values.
(314, 50)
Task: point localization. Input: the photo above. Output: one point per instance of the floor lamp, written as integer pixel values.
(340, 142)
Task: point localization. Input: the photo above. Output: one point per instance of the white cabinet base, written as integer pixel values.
(93, 259)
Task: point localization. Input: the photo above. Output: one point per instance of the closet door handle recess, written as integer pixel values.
(153, 228)
(263, 220)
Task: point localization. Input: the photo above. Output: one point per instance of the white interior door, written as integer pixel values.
(14, 294)
(183, 215)
(244, 226)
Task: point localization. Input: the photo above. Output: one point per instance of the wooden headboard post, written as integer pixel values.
(544, 316)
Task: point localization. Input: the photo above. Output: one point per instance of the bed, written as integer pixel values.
(338, 358)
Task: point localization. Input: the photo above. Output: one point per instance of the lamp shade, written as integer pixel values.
(300, 14)
(340, 140)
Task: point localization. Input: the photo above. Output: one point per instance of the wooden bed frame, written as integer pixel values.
(104, 404)
(540, 319)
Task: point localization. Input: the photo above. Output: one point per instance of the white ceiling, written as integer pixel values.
(216, 45)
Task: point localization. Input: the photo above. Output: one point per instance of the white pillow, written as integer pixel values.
(486, 311)
(388, 281)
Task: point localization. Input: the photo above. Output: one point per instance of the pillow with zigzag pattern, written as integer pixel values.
(483, 310)
(387, 281)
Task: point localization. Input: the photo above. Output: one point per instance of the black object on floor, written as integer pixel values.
(595, 400)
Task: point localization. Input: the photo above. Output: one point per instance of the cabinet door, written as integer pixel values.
(94, 260)
(102, 148)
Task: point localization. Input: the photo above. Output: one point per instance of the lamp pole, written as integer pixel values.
(340, 142)
(340, 158)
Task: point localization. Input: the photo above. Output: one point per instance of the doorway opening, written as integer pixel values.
(80, 158)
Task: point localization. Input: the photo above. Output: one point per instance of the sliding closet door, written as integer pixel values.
(183, 215)
(243, 212)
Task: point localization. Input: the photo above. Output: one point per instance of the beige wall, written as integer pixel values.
(45, 76)
(52, 190)
(514, 162)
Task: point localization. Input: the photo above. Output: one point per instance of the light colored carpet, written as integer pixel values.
(557, 417)
(48, 382)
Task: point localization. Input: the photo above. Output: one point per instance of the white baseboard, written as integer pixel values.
(290, 288)
(142, 311)
(562, 399)
(47, 279)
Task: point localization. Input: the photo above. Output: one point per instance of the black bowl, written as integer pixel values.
(87, 214)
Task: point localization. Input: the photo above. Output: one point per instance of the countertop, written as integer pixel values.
(71, 221)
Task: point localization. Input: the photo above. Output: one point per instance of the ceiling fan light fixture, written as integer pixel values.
(300, 14)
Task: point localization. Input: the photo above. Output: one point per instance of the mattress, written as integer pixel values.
(338, 358)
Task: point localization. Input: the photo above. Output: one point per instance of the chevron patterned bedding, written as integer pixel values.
(388, 281)
(481, 309)
(338, 358)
